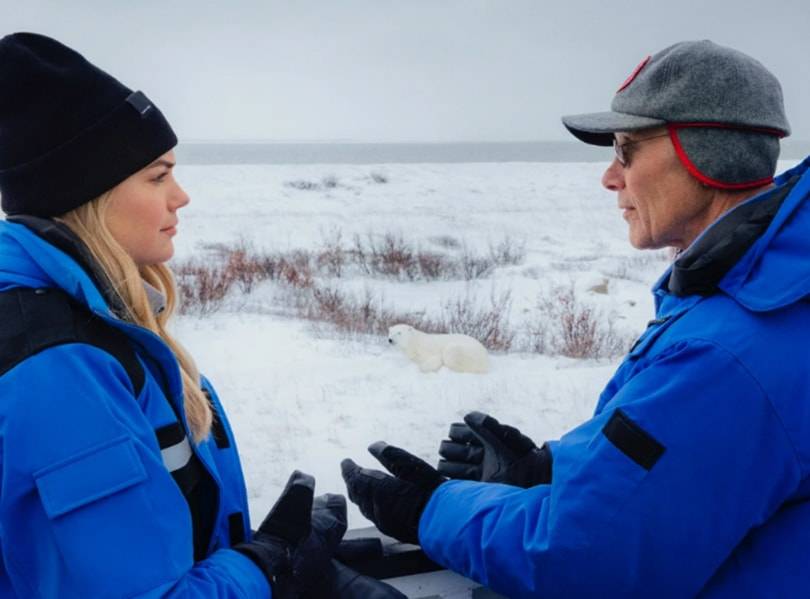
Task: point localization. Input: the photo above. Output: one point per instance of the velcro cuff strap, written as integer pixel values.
(632, 440)
(89, 476)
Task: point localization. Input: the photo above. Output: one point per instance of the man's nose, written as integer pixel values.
(613, 178)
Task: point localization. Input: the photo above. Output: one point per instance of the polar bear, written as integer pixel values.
(461, 353)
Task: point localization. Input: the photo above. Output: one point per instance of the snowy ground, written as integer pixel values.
(301, 398)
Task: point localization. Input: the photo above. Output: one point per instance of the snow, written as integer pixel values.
(303, 397)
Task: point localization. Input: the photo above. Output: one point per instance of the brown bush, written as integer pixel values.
(473, 266)
(394, 257)
(433, 266)
(489, 324)
(332, 258)
(567, 326)
(345, 312)
(507, 252)
(202, 287)
(295, 270)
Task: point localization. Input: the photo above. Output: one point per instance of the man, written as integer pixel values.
(692, 476)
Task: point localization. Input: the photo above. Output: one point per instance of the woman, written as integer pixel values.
(119, 474)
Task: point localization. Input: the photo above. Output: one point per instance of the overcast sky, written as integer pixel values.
(411, 70)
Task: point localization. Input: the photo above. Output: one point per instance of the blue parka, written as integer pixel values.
(87, 506)
(706, 491)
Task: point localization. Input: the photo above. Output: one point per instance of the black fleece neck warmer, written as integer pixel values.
(701, 267)
(62, 237)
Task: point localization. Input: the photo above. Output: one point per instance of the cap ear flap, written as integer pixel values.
(726, 158)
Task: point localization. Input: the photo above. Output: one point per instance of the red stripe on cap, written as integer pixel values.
(695, 172)
(634, 74)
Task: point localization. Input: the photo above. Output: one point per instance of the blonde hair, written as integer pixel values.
(89, 224)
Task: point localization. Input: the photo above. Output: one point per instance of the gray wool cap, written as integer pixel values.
(724, 111)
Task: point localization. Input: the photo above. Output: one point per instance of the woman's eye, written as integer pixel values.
(160, 177)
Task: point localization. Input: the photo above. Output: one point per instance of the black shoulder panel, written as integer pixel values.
(32, 320)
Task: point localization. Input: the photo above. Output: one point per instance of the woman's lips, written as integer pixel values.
(170, 230)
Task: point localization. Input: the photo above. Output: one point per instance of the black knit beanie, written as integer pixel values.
(68, 130)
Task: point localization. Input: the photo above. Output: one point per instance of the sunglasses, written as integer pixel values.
(621, 153)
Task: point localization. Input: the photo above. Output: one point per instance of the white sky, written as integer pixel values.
(412, 70)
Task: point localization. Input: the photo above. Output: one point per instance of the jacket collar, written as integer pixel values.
(62, 237)
(701, 267)
(756, 253)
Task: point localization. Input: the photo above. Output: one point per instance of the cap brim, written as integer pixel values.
(598, 128)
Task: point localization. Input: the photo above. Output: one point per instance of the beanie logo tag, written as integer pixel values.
(140, 103)
(634, 74)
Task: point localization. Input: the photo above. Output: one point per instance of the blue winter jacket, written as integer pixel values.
(87, 506)
(691, 479)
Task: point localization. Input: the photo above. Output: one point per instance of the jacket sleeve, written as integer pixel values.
(648, 498)
(87, 508)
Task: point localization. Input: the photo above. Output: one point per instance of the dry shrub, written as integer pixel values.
(203, 287)
(507, 252)
(303, 185)
(446, 241)
(332, 258)
(245, 267)
(640, 267)
(474, 267)
(347, 313)
(295, 270)
(489, 324)
(434, 266)
(567, 326)
(394, 257)
(367, 314)
(330, 182)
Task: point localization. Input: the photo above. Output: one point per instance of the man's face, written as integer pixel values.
(661, 202)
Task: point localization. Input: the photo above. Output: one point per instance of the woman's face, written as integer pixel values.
(142, 214)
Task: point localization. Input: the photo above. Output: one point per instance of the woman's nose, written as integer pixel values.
(180, 198)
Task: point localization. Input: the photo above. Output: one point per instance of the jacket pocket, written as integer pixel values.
(117, 520)
(89, 476)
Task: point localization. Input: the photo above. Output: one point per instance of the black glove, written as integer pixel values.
(312, 570)
(486, 450)
(393, 503)
(293, 554)
(327, 577)
(348, 584)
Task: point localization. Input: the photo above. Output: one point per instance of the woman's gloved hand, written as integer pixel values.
(293, 554)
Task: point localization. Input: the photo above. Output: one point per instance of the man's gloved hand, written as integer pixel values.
(393, 503)
(484, 449)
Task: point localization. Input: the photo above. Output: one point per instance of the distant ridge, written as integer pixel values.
(332, 152)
